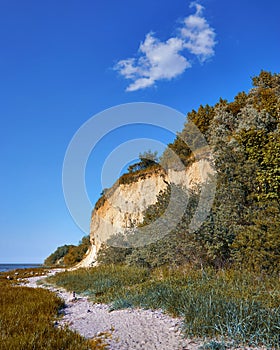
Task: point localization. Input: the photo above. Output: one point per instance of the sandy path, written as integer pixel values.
(129, 328)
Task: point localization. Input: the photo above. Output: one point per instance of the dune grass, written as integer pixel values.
(27, 317)
(236, 306)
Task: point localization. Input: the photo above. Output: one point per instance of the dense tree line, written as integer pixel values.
(242, 228)
(68, 255)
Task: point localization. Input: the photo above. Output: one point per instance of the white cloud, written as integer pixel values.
(198, 35)
(160, 60)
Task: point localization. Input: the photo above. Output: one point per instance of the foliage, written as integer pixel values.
(110, 254)
(154, 211)
(257, 244)
(56, 258)
(267, 80)
(140, 174)
(243, 225)
(147, 159)
(240, 307)
(76, 253)
(202, 118)
(68, 255)
(165, 240)
(177, 152)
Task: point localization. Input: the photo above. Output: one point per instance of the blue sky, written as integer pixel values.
(61, 62)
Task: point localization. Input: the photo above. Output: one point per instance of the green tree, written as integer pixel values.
(243, 225)
(57, 257)
(257, 244)
(77, 253)
(147, 159)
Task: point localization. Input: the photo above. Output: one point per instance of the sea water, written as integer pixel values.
(9, 267)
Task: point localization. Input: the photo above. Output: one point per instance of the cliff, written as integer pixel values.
(233, 220)
(121, 207)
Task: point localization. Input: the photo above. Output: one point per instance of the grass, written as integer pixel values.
(239, 307)
(27, 317)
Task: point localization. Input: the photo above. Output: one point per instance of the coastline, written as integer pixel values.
(5, 267)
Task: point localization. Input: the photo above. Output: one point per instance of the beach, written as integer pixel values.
(122, 329)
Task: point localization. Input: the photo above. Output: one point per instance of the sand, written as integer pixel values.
(124, 329)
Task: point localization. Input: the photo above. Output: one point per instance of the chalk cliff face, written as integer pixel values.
(123, 206)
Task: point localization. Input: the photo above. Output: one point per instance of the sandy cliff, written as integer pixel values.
(123, 206)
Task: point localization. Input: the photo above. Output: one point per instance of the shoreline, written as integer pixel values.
(6, 267)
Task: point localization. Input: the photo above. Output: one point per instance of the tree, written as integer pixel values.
(242, 227)
(76, 253)
(57, 257)
(257, 244)
(147, 159)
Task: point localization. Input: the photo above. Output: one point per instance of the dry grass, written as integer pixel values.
(27, 319)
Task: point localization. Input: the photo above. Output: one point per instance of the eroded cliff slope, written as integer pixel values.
(122, 207)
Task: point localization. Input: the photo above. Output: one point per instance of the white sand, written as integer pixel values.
(128, 329)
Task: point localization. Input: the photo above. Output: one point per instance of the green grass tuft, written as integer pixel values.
(240, 307)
